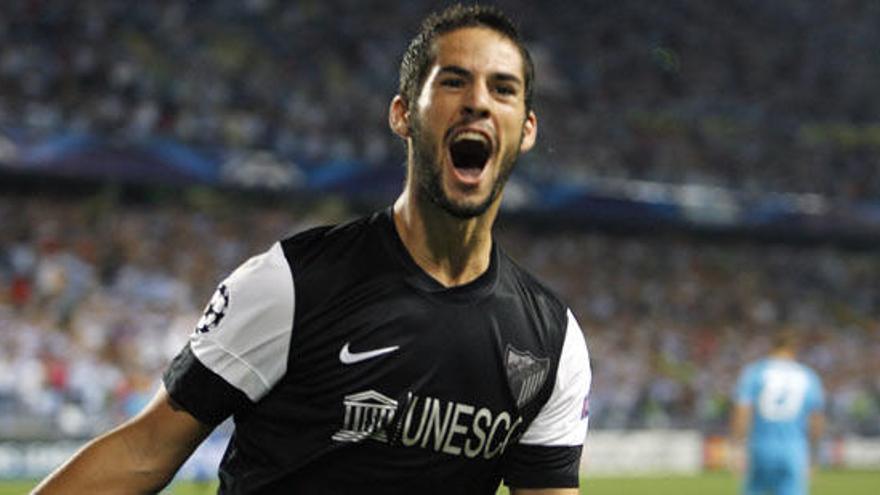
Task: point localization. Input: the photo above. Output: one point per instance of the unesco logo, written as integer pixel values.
(215, 311)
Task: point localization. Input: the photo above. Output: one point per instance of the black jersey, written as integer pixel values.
(350, 370)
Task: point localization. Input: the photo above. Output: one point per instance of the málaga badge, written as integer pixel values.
(526, 374)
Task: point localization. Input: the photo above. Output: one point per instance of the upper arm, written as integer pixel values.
(564, 418)
(744, 399)
(817, 395)
(745, 391)
(244, 335)
(817, 424)
(239, 349)
(547, 457)
(741, 420)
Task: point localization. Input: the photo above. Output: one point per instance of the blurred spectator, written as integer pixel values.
(669, 321)
(96, 296)
(751, 95)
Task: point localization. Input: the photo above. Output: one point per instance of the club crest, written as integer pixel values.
(215, 311)
(526, 374)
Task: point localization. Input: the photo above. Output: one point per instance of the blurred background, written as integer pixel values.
(706, 172)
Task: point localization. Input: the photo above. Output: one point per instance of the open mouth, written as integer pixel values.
(470, 151)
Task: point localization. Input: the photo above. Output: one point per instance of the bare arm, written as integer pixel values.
(140, 456)
(817, 429)
(740, 424)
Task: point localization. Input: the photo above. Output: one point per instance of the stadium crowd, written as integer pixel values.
(96, 296)
(750, 95)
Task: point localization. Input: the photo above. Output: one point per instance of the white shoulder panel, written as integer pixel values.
(244, 335)
(564, 418)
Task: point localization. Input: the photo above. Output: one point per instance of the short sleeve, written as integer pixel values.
(548, 454)
(243, 338)
(745, 387)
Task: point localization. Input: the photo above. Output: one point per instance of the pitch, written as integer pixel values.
(825, 483)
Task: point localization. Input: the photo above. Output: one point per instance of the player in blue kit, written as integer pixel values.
(779, 416)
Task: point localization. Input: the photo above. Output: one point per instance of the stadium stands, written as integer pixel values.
(96, 298)
(97, 295)
(757, 96)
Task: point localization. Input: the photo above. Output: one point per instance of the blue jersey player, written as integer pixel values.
(779, 416)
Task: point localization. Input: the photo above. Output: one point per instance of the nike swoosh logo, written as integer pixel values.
(348, 357)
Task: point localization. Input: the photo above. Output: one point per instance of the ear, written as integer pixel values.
(398, 117)
(530, 132)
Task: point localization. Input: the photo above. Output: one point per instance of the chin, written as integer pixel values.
(465, 210)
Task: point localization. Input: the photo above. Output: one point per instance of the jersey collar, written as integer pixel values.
(417, 278)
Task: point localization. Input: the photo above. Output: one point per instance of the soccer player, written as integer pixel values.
(779, 414)
(403, 352)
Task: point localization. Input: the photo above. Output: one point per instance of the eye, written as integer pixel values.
(506, 90)
(452, 82)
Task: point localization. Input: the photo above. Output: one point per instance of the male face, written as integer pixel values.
(469, 123)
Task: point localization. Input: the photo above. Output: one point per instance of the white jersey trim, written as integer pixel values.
(249, 344)
(564, 419)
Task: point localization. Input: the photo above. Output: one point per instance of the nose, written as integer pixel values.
(476, 103)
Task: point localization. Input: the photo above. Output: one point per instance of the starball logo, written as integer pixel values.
(215, 311)
(430, 423)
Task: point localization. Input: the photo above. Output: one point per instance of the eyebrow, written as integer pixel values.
(462, 72)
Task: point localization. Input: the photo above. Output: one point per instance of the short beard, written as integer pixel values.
(431, 183)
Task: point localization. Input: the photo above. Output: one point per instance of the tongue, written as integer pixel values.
(469, 172)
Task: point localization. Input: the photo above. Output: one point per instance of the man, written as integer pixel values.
(403, 352)
(779, 404)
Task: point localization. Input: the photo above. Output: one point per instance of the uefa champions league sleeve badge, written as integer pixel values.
(215, 311)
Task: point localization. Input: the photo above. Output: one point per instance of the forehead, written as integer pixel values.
(478, 49)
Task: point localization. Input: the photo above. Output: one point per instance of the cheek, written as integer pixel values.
(513, 134)
(426, 121)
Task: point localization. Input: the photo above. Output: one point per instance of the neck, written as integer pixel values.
(453, 251)
(783, 353)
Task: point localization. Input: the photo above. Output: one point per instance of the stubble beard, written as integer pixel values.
(430, 180)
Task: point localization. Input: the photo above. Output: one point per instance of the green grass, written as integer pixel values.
(824, 483)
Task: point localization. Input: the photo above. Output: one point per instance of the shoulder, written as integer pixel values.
(327, 261)
(258, 278)
(536, 295)
(755, 366)
(321, 249)
(318, 240)
(252, 308)
(812, 375)
(752, 371)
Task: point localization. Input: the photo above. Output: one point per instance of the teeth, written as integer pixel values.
(470, 135)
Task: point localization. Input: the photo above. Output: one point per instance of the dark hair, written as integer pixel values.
(418, 56)
(784, 338)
